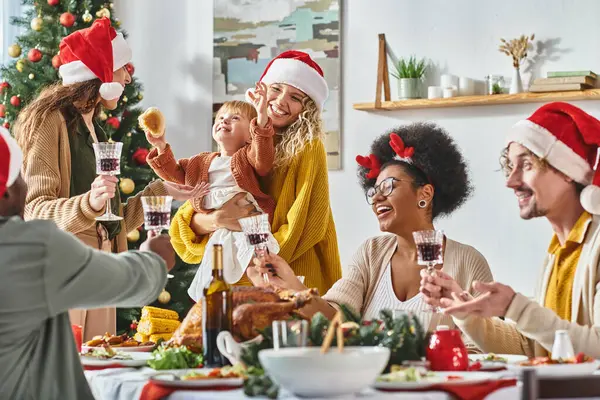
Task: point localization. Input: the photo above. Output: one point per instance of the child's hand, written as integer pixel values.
(186, 192)
(159, 142)
(259, 99)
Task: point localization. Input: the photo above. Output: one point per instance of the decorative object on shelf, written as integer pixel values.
(493, 84)
(410, 74)
(466, 86)
(434, 92)
(562, 81)
(449, 92)
(449, 81)
(517, 50)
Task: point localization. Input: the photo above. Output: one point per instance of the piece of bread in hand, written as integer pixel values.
(152, 121)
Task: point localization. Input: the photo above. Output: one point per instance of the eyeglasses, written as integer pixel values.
(385, 188)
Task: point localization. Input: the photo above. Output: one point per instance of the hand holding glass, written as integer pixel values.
(430, 252)
(108, 162)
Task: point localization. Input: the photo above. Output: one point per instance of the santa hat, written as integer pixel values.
(94, 52)
(11, 159)
(297, 69)
(568, 139)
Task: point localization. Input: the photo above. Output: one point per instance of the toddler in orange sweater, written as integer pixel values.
(244, 134)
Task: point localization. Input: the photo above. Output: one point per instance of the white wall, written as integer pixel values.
(172, 44)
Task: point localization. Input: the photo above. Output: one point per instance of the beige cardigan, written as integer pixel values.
(532, 332)
(360, 278)
(47, 171)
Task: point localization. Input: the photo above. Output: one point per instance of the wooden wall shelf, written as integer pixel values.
(467, 101)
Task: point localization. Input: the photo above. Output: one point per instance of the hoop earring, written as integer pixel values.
(422, 203)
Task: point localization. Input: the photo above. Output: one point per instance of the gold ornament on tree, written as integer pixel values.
(127, 186)
(14, 50)
(87, 17)
(102, 116)
(20, 65)
(31, 76)
(125, 99)
(141, 96)
(103, 12)
(164, 297)
(36, 24)
(133, 236)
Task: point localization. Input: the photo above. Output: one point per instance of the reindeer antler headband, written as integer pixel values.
(372, 163)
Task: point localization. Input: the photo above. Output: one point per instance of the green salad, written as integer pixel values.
(410, 374)
(175, 358)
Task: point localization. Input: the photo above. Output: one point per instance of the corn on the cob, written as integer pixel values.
(155, 312)
(157, 325)
(140, 337)
(157, 336)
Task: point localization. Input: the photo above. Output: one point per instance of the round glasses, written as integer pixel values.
(385, 188)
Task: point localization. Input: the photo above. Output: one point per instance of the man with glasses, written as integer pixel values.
(549, 162)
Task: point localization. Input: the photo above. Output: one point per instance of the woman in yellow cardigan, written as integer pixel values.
(303, 222)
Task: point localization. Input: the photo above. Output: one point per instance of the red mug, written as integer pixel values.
(78, 335)
(446, 350)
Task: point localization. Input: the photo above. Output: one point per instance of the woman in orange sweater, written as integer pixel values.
(302, 222)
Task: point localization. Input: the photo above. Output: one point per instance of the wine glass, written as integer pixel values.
(292, 333)
(430, 245)
(157, 214)
(257, 230)
(108, 162)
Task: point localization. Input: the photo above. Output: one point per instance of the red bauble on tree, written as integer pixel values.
(34, 55)
(56, 61)
(2, 111)
(133, 326)
(53, 2)
(130, 68)
(139, 156)
(15, 101)
(114, 122)
(4, 86)
(67, 19)
(6, 125)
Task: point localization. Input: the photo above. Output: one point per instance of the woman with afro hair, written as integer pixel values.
(413, 175)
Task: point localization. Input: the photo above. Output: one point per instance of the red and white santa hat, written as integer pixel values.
(568, 138)
(94, 52)
(297, 69)
(11, 159)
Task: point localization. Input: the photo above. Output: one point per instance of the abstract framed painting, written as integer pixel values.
(249, 33)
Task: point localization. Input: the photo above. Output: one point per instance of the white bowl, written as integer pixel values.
(308, 373)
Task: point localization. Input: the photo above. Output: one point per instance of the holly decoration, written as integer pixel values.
(139, 156)
(56, 61)
(34, 55)
(15, 101)
(114, 122)
(134, 324)
(67, 19)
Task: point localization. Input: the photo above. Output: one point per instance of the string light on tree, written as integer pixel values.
(14, 50)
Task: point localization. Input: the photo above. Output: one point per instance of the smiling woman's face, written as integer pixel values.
(285, 103)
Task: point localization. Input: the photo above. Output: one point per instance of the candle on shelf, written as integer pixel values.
(435, 92)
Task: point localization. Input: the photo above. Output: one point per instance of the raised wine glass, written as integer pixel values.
(257, 230)
(157, 214)
(430, 245)
(108, 162)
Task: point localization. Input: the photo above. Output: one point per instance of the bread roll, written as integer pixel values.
(152, 121)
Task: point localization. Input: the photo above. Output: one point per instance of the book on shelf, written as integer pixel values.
(584, 80)
(560, 74)
(564, 87)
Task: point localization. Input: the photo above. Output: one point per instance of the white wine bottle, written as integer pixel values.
(216, 312)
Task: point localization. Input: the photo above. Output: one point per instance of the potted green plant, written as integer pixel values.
(410, 75)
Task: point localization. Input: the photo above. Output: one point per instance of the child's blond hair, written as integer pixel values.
(238, 107)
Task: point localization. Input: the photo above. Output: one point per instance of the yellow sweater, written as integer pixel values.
(302, 223)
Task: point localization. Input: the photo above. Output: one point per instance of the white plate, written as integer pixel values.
(126, 349)
(561, 369)
(169, 379)
(440, 377)
(510, 359)
(137, 360)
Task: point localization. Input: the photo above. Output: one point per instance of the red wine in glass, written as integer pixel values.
(109, 165)
(156, 219)
(257, 238)
(430, 252)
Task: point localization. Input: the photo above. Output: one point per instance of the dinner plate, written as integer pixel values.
(510, 359)
(467, 378)
(173, 380)
(557, 370)
(137, 360)
(125, 349)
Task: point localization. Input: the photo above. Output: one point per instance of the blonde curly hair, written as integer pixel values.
(308, 127)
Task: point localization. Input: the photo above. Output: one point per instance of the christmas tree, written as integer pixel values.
(36, 65)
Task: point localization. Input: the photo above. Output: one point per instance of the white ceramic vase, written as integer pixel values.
(516, 85)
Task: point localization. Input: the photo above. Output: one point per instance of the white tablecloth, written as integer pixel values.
(127, 384)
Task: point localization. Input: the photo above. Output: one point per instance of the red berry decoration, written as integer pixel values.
(53, 2)
(130, 68)
(15, 101)
(114, 122)
(67, 19)
(6, 125)
(34, 55)
(139, 156)
(4, 86)
(56, 61)
(133, 326)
